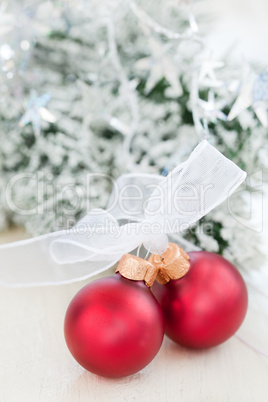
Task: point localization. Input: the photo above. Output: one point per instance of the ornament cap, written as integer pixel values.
(172, 264)
(137, 269)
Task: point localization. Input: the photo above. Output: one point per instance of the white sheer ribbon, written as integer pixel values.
(153, 206)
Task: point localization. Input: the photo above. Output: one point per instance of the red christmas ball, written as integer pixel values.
(114, 326)
(207, 305)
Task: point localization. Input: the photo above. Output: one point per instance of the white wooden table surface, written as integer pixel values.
(35, 364)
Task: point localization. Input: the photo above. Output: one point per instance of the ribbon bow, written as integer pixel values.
(153, 207)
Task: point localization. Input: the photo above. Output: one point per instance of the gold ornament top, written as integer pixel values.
(172, 264)
(137, 269)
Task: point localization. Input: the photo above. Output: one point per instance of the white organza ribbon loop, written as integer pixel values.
(142, 209)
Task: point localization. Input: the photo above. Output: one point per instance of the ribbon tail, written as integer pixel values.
(66, 256)
(28, 263)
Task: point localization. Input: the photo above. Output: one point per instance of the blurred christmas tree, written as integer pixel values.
(117, 86)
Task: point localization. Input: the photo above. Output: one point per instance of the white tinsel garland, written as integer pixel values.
(114, 86)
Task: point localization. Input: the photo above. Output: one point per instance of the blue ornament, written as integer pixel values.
(260, 87)
(165, 171)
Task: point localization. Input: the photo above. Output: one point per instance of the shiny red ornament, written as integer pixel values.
(207, 305)
(114, 326)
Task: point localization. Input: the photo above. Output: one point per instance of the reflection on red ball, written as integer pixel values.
(114, 327)
(207, 305)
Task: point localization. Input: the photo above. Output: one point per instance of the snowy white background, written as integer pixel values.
(240, 26)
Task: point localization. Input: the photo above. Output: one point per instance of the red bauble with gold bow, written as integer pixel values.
(206, 306)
